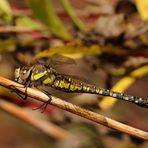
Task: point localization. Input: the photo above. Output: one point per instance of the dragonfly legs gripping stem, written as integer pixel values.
(44, 105)
(18, 92)
(24, 96)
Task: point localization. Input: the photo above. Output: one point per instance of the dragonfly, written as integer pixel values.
(44, 74)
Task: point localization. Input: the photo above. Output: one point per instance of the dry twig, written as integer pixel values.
(78, 110)
(4, 29)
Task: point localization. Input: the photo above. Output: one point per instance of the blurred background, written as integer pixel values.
(108, 39)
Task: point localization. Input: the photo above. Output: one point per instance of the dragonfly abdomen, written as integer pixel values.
(67, 84)
(72, 85)
(121, 96)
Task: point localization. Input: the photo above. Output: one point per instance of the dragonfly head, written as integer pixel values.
(22, 74)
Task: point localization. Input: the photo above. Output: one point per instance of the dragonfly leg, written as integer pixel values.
(18, 92)
(45, 104)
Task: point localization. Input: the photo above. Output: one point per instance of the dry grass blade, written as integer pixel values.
(47, 128)
(122, 85)
(78, 110)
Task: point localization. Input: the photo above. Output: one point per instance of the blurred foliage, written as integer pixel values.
(73, 51)
(71, 12)
(142, 7)
(45, 12)
(27, 22)
(109, 46)
(5, 10)
(122, 85)
(9, 44)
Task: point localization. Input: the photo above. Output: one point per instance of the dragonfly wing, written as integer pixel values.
(56, 60)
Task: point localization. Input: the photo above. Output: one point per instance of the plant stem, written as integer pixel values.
(77, 110)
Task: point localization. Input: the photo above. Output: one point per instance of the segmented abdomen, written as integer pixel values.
(69, 84)
(121, 96)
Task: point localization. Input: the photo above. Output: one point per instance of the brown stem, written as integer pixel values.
(4, 29)
(78, 110)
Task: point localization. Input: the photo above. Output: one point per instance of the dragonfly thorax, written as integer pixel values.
(34, 73)
(38, 72)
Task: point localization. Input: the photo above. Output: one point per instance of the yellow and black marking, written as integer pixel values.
(39, 75)
(67, 84)
(49, 80)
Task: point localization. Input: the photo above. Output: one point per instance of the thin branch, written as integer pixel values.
(78, 110)
(5, 29)
(46, 127)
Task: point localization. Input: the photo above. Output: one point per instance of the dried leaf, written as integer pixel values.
(135, 61)
(110, 26)
(136, 36)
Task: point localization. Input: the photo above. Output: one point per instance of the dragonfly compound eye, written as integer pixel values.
(22, 74)
(17, 74)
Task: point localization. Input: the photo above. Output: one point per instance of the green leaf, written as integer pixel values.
(44, 11)
(68, 8)
(7, 45)
(27, 22)
(72, 51)
(5, 10)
